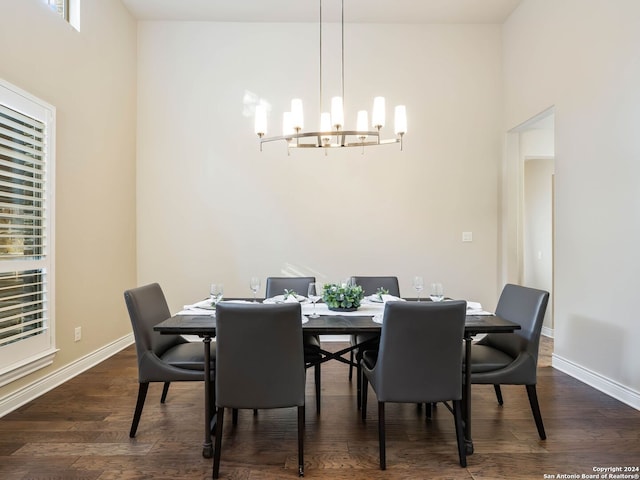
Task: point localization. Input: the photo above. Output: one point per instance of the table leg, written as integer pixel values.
(207, 447)
(466, 393)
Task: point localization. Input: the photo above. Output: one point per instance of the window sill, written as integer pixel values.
(22, 369)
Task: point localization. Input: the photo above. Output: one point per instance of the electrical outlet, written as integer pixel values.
(467, 236)
(77, 334)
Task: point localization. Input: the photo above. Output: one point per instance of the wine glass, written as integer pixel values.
(418, 285)
(437, 294)
(216, 291)
(312, 294)
(254, 284)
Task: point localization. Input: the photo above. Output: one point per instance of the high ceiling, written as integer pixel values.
(366, 11)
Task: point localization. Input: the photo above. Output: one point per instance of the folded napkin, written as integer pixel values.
(475, 308)
(391, 298)
(381, 299)
(281, 299)
(473, 305)
(203, 307)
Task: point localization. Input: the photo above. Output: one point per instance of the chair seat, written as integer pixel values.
(363, 337)
(189, 355)
(311, 342)
(311, 348)
(487, 359)
(370, 357)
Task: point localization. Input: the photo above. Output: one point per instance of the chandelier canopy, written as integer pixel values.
(332, 132)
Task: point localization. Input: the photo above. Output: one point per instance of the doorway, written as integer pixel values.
(527, 207)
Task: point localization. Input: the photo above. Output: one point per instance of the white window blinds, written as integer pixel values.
(26, 156)
(21, 185)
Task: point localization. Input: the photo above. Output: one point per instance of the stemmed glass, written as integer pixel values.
(418, 285)
(216, 291)
(254, 284)
(312, 294)
(437, 294)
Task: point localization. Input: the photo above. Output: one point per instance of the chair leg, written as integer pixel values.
(381, 436)
(301, 441)
(428, 407)
(498, 394)
(218, 446)
(165, 390)
(359, 379)
(457, 418)
(317, 380)
(365, 389)
(350, 365)
(535, 409)
(142, 394)
(234, 416)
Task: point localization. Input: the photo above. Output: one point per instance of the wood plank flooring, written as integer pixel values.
(80, 431)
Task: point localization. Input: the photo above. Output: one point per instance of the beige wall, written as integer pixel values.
(212, 207)
(90, 77)
(582, 57)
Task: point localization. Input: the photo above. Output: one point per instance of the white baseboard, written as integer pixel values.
(335, 338)
(597, 381)
(41, 386)
(547, 332)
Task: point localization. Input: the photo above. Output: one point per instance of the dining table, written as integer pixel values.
(366, 319)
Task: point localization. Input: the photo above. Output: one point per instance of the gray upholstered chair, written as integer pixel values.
(260, 363)
(512, 358)
(312, 356)
(161, 358)
(419, 361)
(370, 285)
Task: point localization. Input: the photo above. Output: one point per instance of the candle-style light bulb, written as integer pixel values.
(297, 117)
(400, 120)
(337, 113)
(260, 120)
(378, 114)
(362, 124)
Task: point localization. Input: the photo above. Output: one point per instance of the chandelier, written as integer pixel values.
(332, 132)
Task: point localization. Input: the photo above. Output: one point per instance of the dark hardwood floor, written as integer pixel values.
(80, 431)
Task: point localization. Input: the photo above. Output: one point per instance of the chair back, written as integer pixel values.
(526, 307)
(259, 360)
(147, 307)
(277, 285)
(420, 355)
(370, 285)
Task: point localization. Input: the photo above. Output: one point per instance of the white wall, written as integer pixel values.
(212, 207)
(90, 77)
(581, 56)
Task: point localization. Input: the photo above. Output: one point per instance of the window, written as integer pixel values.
(27, 156)
(67, 9)
(60, 6)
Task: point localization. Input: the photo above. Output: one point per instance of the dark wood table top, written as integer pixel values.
(205, 325)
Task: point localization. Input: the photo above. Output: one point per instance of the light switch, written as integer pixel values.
(467, 236)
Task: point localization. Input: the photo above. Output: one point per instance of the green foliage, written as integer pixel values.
(342, 295)
(382, 291)
(289, 293)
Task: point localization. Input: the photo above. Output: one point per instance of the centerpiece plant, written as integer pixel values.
(342, 297)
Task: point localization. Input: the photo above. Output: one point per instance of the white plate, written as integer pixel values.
(374, 298)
